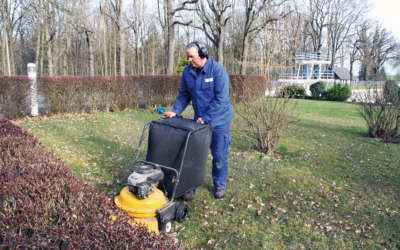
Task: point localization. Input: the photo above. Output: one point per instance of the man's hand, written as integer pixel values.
(169, 114)
(199, 120)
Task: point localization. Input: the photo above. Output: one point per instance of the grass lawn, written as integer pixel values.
(332, 187)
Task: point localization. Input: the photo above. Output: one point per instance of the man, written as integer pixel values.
(205, 82)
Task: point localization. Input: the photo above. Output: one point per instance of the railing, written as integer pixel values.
(307, 75)
(312, 56)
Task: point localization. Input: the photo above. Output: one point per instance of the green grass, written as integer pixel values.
(332, 187)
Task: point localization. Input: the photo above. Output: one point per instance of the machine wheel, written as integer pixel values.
(182, 212)
(166, 226)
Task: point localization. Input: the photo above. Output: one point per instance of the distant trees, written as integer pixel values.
(113, 37)
(376, 46)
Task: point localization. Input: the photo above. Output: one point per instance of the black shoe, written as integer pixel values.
(219, 193)
(186, 196)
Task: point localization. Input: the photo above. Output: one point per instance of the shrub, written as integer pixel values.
(14, 96)
(392, 91)
(382, 117)
(182, 63)
(68, 94)
(43, 205)
(263, 120)
(318, 90)
(294, 90)
(338, 93)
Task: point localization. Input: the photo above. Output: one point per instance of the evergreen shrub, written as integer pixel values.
(318, 90)
(294, 90)
(392, 91)
(338, 93)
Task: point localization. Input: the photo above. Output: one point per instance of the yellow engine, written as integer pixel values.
(148, 205)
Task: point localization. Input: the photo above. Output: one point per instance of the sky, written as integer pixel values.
(388, 12)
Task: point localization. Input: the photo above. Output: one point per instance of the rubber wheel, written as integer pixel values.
(182, 212)
(166, 226)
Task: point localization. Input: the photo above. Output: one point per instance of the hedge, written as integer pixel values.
(43, 205)
(67, 94)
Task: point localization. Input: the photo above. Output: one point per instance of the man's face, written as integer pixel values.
(194, 58)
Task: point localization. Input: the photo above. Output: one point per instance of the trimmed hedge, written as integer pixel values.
(255, 87)
(14, 95)
(67, 94)
(43, 205)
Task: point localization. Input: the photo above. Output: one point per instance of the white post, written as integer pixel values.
(33, 89)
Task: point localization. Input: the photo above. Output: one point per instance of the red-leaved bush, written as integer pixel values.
(70, 94)
(43, 205)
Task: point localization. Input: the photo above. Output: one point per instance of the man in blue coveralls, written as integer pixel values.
(205, 82)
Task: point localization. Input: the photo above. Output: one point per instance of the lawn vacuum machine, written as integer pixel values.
(175, 163)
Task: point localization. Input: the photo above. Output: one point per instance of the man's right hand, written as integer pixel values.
(169, 114)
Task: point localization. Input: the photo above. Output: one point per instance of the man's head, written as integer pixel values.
(197, 54)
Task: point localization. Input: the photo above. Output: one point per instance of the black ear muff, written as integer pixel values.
(202, 50)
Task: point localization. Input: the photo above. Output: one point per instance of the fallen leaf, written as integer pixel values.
(270, 205)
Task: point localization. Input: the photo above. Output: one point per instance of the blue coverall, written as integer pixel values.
(209, 93)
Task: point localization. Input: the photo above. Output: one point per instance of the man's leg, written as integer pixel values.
(220, 143)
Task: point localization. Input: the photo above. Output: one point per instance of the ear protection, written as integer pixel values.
(202, 50)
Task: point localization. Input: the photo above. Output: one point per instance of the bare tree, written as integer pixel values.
(116, 17)
(317, 13)
(377, 46)
(167, 19)
(214, 17)
(344, 15)
(12, 15)
(252, 27)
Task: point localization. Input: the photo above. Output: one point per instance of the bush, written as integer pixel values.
(318, 90)
(392, 91)
(182, 63)
(263, 120)
(14, 96)
(382, 117)
(294, 90)
(68, 94)
(43, 205)
(338, 93)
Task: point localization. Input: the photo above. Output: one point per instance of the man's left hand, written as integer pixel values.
(199, 120)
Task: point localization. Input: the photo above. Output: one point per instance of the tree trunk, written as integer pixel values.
(104, 44)
(171, 48)
(91, 56)
(244, 53)
(220, 49)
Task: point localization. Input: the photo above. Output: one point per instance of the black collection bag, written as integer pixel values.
(167, 138)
